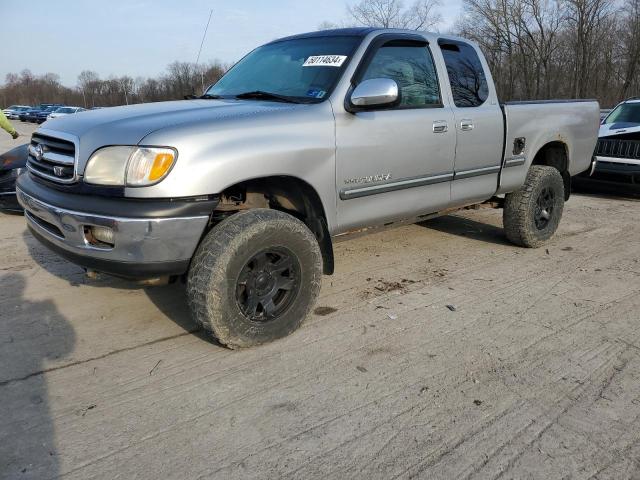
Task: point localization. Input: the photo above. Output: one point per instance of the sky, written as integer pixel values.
(141, 37)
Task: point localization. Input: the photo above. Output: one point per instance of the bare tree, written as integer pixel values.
(558, 48)
(92, 91)
(588, 21)
(421, 15)
(631, 46)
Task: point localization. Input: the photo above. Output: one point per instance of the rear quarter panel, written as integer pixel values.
(573, 123)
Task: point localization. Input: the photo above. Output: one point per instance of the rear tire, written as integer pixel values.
(254, 278)
(532, 214)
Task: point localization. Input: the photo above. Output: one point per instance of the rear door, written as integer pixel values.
(478, 121)
(395, 163)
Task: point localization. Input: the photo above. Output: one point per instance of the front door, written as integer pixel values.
(396, 163)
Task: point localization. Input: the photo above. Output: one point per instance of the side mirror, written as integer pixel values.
(376, 92)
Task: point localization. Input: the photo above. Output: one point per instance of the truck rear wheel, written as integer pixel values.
(254, 278)
(532, 214)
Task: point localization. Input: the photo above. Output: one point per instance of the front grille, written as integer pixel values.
(52, 158)
(618, 148)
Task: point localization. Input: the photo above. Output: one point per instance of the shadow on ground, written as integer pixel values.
(464, 227)
(171, 299)
(606, 189)
(27, 431)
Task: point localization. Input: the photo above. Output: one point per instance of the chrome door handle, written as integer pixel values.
(466, 125)
(440, 126)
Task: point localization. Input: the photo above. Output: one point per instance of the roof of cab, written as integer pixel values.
(364, 31)
(336, 32)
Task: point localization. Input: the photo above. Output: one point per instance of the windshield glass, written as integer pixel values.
(64, 110)
(304, 69)
(625, 113)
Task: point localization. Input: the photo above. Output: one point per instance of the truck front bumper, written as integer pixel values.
(149, 238)
(618, 166)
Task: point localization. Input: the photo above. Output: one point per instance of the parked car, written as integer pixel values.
(306, 139)
(618, 148)
(29, 115)
(12, 164)
(33, 114)
(13, 111)
(62, 111)
(43, 114)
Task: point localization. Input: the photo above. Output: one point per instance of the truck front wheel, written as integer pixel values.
(254, 277)
(532, 214)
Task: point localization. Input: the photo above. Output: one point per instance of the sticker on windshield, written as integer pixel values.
(316, 93)
(325, 61)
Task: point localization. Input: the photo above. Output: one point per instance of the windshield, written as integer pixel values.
(625, 113)
(304, 69)
(64, 110)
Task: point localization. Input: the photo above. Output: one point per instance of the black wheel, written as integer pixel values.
(532, 214)
(254, 278)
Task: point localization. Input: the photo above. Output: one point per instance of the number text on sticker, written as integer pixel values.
(325, 61)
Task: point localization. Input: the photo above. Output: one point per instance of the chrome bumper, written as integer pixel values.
(137, 240)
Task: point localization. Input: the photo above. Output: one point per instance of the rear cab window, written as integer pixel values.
(466, 75)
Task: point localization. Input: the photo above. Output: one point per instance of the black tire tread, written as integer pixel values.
(518, 205)
(207, 270)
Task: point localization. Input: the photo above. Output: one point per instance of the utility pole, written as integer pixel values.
(200, 51)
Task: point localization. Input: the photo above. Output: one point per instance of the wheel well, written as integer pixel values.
(287, 194)
(555, 154)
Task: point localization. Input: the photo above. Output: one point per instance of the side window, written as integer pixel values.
(412, 67)
(466, 75)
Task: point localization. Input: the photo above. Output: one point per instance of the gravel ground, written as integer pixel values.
(437, 350)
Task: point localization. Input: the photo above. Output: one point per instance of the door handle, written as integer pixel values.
(440, 126)
(466, 125)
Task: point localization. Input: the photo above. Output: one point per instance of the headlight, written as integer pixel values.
(108, 166)
(130, 166)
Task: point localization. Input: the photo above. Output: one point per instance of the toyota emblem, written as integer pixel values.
(39, 152)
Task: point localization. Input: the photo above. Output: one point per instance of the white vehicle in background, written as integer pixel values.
(13, 111)
(63, 111)
(618, 149)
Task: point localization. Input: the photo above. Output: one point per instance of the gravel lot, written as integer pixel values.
(437, 351)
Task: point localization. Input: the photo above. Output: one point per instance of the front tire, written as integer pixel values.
(532, 214)
(254, 278)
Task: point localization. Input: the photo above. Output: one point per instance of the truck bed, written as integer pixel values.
(571, 124)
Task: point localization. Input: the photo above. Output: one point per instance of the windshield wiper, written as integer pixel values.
(261, 95)
(208, 96)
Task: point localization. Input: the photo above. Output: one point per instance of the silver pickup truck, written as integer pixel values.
(242, 191)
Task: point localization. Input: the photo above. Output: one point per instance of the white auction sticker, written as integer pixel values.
(325, 61)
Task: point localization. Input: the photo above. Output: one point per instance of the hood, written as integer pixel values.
(619, 129)
(129, 125)
(134, 122)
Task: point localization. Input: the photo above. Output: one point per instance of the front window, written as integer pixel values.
(625, 113)
(303, 70)
(412, 68)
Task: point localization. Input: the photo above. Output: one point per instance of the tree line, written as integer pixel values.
(180, 79)
(558, 48)
(535, 48)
